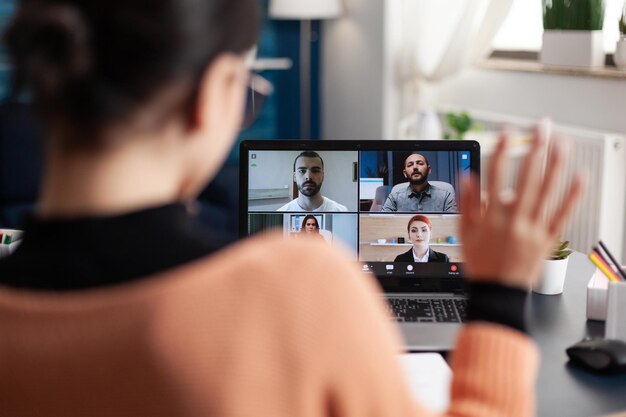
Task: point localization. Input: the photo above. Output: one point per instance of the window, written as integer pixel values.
(523, 27)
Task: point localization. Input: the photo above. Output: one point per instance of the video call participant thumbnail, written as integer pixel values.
(308, 174)
(420, 229)
(419, 194)
(310, 227)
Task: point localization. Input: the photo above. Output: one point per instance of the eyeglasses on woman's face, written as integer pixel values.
(257, 91)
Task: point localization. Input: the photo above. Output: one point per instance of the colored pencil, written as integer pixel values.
(604, 261)
(593, 257)
(620, 271)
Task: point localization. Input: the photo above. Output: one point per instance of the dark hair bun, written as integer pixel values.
(50, 46)
(93, 63)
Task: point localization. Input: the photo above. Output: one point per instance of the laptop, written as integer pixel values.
(394, 204)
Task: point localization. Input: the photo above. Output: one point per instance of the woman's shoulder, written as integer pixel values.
(270, 258)
(271, 275)
(272, 246)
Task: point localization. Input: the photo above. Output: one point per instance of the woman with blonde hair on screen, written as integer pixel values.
(118, 303)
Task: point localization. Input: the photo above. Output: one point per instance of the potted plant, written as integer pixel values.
(573, 33)
(459, 124)
(555, 267)
(620, 49)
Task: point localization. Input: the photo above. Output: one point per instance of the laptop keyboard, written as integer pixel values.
(424, 310)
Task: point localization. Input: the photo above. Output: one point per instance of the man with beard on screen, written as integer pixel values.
(419, 194)
(308, 174)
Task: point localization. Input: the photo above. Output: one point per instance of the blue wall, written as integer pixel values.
(280, 118)
(7, 8)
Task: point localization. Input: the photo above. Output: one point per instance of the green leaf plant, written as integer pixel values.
(560, 251)
(459, 124)
(573, 14)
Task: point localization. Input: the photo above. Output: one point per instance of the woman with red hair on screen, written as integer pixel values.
(420, 229)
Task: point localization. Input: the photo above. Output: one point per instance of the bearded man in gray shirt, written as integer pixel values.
(419, 194)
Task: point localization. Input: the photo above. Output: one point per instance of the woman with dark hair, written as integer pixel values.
(117, 303)
(419, 229)
(310, 226)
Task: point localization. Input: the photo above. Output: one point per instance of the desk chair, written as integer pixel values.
(379, 198)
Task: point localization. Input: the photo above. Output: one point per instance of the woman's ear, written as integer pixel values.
(215, 121)
(221, 95)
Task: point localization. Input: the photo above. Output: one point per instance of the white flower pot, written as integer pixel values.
(572, 48)
(620, 54)
(552, 278)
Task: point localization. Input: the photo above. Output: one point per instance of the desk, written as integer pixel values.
(556, 322)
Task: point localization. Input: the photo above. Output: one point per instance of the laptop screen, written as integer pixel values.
(394, 204)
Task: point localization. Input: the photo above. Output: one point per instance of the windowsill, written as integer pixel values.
(533, 66)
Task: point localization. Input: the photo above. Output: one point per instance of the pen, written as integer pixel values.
(598, 262)
(620, 271)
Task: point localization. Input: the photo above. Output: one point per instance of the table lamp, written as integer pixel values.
(305, 11)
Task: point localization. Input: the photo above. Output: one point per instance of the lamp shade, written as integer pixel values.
(305, 9)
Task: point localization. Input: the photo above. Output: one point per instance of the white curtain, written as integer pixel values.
(441, 38)
(448, 35)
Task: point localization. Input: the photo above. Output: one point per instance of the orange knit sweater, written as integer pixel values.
(265, 328)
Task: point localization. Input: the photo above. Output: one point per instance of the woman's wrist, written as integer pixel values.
(497, 303)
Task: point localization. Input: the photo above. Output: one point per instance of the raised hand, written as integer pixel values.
(510, 240)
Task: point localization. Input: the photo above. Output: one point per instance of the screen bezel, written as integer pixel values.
(389, 282)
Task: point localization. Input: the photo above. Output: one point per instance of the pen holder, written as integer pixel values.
(615, 327)
(597, 296)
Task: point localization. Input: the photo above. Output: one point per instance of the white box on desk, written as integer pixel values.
(615, 327)
(597, 296)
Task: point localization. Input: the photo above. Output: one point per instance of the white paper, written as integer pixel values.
(429, 378)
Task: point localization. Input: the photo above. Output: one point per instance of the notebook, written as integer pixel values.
(394, 204)
(428, 379)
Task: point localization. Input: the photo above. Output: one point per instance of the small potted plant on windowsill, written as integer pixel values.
(620, 49)
(572, 34)
(458, 125)
(555, 267)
